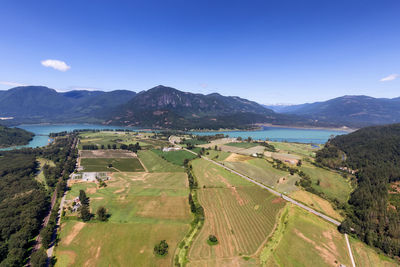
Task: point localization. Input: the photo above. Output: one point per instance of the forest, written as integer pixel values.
(24, 202)
(374, 154)
(14, 136)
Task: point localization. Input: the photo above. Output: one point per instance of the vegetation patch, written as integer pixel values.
(176, 157)
(111, 165)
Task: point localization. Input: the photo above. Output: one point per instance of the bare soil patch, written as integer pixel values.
(107, 154)
(237, 158)
(74, 232)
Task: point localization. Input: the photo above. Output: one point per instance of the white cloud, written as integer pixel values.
(55, 64)
(11, 83)
(391, 77)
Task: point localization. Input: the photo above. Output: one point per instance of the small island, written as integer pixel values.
(14, 137)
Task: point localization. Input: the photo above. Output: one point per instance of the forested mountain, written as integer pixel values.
(351, 111)
(14, 136)
(168, 107)
(374, 152)
(42, 104)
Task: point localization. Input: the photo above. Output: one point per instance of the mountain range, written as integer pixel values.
(166, 107)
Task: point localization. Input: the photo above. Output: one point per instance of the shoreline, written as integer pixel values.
(344, 129)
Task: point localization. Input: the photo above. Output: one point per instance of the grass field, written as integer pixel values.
(317, 203)
(239, 213)
(368, 257)
(108, 153)
(296, 148)
(145, 208)
(155, 163)
(305, 240)
(118, 165)
(175, 157)
(262, 171)
(242, 145)
(332, 184)
(217, 155)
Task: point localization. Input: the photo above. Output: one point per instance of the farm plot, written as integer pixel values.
(109, 138)
(305, 240)
(242, 145)
(111, 165)
(145, 208)
(239, 213)
(262, 171)
(106, 154)
(332, 184)
(307, 150)
(246, 151)
(175, 157)
(155, 163)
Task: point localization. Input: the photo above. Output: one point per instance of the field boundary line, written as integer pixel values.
(350, 252)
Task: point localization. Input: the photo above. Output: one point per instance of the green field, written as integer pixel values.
(175, 157)
(304, 239)
(263, 172)
(296, 148)
(118, 165)
(155, 163)
(242, 145)
(239, 213)
(145, 208)
(40, 176)
(332, 184)
(217, 155)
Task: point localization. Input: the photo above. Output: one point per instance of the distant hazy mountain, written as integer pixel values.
(352, 111)
(41, 104)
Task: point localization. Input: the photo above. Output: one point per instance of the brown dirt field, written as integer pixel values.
(237, 158)
(316, 202)
(328, 252)
(277, 200)
(107, 154)
(74, 232)
(91, 190)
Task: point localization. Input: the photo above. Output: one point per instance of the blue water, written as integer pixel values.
(42, 132)
(282, 134)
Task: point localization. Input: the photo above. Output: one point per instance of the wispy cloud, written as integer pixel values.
(85, 88)
(11, 83)
(391, 77)
(55, 64)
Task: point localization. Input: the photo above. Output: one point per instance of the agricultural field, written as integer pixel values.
(303, 239)
(240, 150)
(262, 171)
(111, 165)
(217, 155)
(109, 138)
(240, 214)
(368, 257)
(111, 153)
(145, 208)
(154, 163)
(175, 157)
(332, 184)
(305, 150)
(317, 203)
(242, 144)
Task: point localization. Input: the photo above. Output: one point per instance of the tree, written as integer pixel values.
(161, 249)
(102, 214)
(85, 213)
(239, 138)
(299, 163)
(39, 258)
(83, 198)
(212, 240)
(114, 146)
(46, 235)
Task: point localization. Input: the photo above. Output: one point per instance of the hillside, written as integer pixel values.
(375, 204)
(351, 111)
(34, 104)
(14, 137)
(166, 107)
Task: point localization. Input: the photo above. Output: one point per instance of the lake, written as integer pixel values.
(316, 136)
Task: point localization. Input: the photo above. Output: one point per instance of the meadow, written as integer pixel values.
(145, 208)
(242, 145)
(117, 165)
(331, 184)
(306, 150)
(175, 157)
(239, 213)
(304, 239)
(154, 163)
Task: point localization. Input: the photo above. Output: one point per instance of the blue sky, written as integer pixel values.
(267, 51)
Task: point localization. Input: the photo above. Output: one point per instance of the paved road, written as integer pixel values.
(323, 216)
